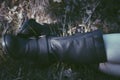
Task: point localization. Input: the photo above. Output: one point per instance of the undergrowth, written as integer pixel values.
(74, 16)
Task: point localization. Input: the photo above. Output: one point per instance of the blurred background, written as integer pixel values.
(70, 16)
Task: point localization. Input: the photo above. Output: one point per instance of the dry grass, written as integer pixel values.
(75, 15)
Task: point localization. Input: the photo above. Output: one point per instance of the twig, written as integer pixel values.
(61, 72)
(97, 3)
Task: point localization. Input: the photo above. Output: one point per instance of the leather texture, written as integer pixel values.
(35, 49)
(85, 48)
(31, 28)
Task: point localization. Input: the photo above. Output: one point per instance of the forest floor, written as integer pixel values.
(105, 18)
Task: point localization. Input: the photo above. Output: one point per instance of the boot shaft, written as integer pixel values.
(86, 48)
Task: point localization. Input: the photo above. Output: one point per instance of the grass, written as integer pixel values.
(56, 12)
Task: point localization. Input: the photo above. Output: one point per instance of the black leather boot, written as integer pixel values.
(33, 29)
(86, 48)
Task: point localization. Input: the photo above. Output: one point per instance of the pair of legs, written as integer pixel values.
(112, 47)
(111, 42)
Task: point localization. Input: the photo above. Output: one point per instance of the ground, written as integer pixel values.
(88, 15)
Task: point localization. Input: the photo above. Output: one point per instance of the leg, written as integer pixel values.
(112, 47)
(110, 68)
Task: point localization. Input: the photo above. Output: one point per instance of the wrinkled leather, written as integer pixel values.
(83, 48)
(35, 49)
(31, 28)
